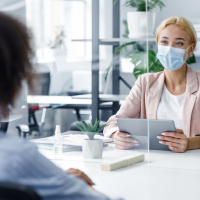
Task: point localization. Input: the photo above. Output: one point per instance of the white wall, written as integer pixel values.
(185, 8)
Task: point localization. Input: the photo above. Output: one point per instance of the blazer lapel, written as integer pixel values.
(190, 98)
(155, 93)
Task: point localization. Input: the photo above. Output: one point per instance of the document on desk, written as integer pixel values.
(70, 142)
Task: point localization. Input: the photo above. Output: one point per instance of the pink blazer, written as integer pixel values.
(142, 101)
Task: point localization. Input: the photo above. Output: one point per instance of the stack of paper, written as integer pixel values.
(72, 142)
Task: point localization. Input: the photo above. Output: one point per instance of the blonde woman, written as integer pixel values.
(173, 94)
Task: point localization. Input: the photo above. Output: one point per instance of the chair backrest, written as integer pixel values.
(11, 191)
(4, 126)
(43, 84)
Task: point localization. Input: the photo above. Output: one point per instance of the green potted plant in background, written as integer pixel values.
(137, 20)
(58, 41)
(139, 59)
(135, 52)
(92, 148)
(127, 50)
(58, 44)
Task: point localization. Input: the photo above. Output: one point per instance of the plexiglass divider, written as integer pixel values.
(64, 51)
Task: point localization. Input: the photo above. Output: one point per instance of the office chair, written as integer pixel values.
(11, 191)
(104, 112)
(42, 88)
(4, 126)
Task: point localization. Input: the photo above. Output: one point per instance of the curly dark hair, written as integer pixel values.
(15, 61)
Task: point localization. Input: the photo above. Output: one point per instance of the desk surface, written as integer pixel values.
(102, 97)
(66, 102)
(164, 175)
(78, 99)
(56, 100)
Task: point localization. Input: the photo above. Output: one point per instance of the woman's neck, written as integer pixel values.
(175, 81)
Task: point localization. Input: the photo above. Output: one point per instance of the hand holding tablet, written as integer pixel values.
(145, 131)
(123, 140)
(177, 142)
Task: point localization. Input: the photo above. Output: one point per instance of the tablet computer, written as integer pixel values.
(138, 128)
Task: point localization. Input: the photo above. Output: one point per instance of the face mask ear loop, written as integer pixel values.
(187, 53)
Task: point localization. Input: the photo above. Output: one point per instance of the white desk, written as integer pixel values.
(66, 102)
(166, 176)
(72, 100)
(102, 97)
(41, 99)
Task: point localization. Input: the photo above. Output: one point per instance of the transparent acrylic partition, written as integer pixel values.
(62, 38)
(161, 154)
(94, 64)
(123, 57)
(94, 56)
(89, 64)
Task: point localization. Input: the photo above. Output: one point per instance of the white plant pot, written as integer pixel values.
(60, 54)
(137, 24)
(92, 148)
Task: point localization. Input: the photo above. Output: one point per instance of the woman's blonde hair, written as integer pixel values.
(182, 22)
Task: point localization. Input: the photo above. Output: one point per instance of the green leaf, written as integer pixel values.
(191, 59)
(139, 59)
(152, 53)
(109, 67)
(139, 72)
(80, 127)
(140, 47)
(141, 4)
(95, 121)
(100, 128)
(157, 67)
(119, 48)
(89, 128)
(91, 125)
(160, 5)
(152, 58)
(126, 29)
(84, 125)
(95, 125)
(142, 7)
(131, 3)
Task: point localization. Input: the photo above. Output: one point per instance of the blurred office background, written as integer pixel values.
(62, 32)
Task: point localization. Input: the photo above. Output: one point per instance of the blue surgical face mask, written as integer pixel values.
(171, 58)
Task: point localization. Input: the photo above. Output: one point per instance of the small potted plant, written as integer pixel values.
(92, 148)
(137, 20)
(58, 44)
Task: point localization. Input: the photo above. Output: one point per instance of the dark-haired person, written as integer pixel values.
(20, 162)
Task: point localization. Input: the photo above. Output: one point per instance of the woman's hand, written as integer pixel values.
(81, 175)
(123, 140)
(177, 142)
